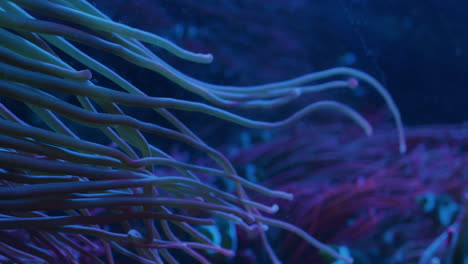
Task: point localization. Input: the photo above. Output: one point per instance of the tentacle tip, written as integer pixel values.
(403, 148)
(369, 131)
(229, 253)
(284, 195)
(274, 208)
(353, 83)
(289, 196)
(85, 74)
(133, 233)
(205, 58)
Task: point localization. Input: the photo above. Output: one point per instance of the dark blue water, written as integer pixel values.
(418, 49)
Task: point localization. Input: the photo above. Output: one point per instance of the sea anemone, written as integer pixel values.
(360, 196)
(79, 167)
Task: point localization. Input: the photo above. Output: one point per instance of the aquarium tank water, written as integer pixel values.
(233, 132)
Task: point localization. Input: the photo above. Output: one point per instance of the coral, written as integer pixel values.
(357, 193)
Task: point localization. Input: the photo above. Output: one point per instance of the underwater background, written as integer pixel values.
(356, 194)
(416, 49)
